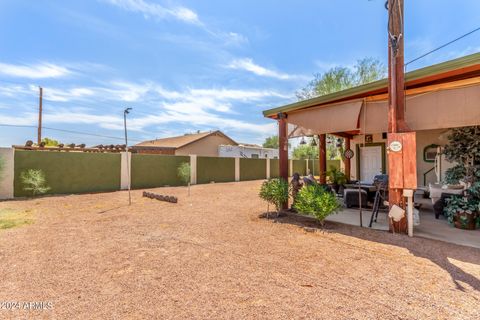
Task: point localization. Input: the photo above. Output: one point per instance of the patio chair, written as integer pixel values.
(351, 198)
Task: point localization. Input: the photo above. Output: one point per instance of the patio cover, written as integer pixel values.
(339, 117)
(441, 109)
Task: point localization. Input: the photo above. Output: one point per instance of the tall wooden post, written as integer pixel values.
(283, 149)
(396, 84)
(322, 158)
(396, 97)
(346, 161)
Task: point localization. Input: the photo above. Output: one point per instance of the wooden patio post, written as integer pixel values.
(346, 161)
(283, 149)
(322, 158)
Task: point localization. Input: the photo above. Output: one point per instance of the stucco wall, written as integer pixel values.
(6, 173)
(149, 171)
(70, 172)
(207, 146)
(424, 138)
(215, 169)
(246, 151)
(252, 169)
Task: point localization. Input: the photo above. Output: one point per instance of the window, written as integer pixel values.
(255, 156)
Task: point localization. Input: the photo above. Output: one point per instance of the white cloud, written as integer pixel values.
(159, 12)
(247, 64)
(37, 71)
(150, 9)
(192, 107)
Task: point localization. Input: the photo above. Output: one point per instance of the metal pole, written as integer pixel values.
(125, 112)
(39, 133)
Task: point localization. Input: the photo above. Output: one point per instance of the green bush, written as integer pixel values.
(336, 176)
(274, 191)
(34, 181)
(455, 174)
(183, 172)
(316, 201)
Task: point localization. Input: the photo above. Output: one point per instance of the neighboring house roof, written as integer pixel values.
(456, 69)
(180, 141)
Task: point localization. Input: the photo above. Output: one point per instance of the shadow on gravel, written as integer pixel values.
(436, 251)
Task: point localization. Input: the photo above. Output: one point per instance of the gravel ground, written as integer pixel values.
(214, 256)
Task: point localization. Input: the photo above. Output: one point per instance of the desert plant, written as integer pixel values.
(275, 191)
(34, 181)
(183, 172)
(316, 201)
(462, 210)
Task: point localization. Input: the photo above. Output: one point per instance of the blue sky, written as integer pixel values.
(193, 65)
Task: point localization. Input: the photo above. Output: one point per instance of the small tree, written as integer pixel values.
(183, 172)
(464, 148)
(274, 191)
(316, 201)
(271, 142)
(34, 181)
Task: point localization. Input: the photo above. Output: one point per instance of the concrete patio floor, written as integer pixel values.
(431, 228)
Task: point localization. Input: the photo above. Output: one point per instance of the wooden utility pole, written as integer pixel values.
(402, 143)
(396, 73)
(39, 133)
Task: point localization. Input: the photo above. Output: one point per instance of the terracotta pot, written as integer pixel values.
(470, 221)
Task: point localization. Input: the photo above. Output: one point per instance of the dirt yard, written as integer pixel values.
(213, 256)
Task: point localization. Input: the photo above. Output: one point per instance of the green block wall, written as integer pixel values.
(152, 170)
(215, 169)
(70, 172)
(252, 169)
(300, 167)
(274, 167)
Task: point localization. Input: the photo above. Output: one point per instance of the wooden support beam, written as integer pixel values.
(283, 149)
(322, 158)
(346, 161)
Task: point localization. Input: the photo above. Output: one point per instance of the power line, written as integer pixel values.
(64, 130)
(443, 46)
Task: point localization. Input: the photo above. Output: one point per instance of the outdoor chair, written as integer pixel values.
(440, 204)
(351, 198)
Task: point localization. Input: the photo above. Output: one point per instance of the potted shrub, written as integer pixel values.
(314, 200)
(462, 212)
(336, 178)
(274, 191)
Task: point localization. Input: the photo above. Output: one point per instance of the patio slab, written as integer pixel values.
(431, 228)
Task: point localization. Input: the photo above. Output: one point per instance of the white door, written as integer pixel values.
(370, 163)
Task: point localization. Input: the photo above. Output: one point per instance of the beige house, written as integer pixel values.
(202, 144)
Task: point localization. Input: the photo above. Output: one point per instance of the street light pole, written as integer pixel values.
(125, 112)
